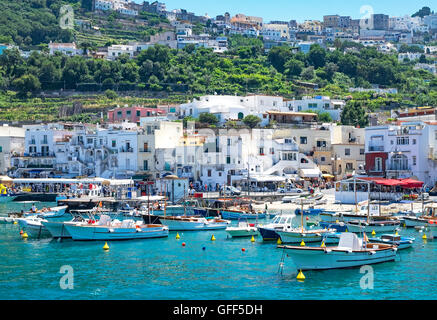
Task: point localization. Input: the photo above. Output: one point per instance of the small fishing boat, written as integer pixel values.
(192, 223)
(34, 227)
(235, 214)
(339, 227)
(350, 252)
(243, 229)
(279, 222)
(378, 226)
(397, 240)
(108, 229)
(414, 220)
(298, 234)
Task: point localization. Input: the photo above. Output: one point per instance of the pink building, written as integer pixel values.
(133, 114)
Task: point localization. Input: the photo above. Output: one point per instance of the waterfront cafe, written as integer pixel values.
(357, 189)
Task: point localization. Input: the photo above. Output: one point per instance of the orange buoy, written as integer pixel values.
(183, 244)
(21, 232)
(243, 249)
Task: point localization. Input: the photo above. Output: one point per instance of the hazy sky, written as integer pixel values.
(297, 9)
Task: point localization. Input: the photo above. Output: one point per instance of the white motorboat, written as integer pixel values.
(192, 223)
(243, 229)
(297, 235)
(279, 222)
(107, 229)
(33, 227)
(350, 252)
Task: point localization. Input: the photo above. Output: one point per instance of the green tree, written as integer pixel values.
(208, 118)
(251, 121)
(27, 83)
(317, 56)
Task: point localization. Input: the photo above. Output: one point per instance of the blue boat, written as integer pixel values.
(279, 222)
(237, 214)
(397, 240)
(340, 227)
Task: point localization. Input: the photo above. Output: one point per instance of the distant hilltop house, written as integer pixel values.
(121, 6)
(133, 114)
(69, 49)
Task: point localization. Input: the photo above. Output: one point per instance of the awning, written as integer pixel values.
(411, 183)
(310, 173)
(267, 178)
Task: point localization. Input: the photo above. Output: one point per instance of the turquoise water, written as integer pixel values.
(164, 269)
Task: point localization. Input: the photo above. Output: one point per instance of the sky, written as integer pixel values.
(299, 10)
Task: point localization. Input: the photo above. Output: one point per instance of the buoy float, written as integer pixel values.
(21, 232)
(178, 236)
(212, 238)
(300, 276)
(396, 234)
(203, 248)
(323, 244)
(302, 243)
(253, 239)
(279, 241)
(183, 244)
(307, 218)
(15, 222)
(373, 232)
(24, 235)
(424, 236)
(106, 247)
(405, 225)
(345, 230)
(243, 249)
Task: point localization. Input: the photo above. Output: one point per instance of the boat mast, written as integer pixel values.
(165, 200)
(355, 193)
(368, 202)
(301, 219)
(185, 208)
(148, 202)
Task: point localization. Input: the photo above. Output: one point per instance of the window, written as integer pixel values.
(138, 113)
(303, 140)
(128, 112)
(228, 159)
(349, 166)
(261, 151)
(114, 143)
(414, 160)
(361, 151)
(119, 113)
(229, 142)
(323, 159)
(402, 140)
(146, 165)
(347, 152)
(414, 141)
(321, 143)
(209, 172)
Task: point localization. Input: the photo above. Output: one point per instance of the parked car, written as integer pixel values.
(230, 190)
(290, 190)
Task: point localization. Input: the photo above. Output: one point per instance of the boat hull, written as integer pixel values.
(34, 229)
(234, 215)
(235, 232)
(269, 234)
(297, 237)
(315, 259)
(84, 232)
(356, 228)
(56, 229)
(411, 222)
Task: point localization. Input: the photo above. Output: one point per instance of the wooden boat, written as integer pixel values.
(192, 223)
(297, 235)
(243, 229)
(358, 226)
(108, 229)
(399, 241)
(240, 213)
(350, 252)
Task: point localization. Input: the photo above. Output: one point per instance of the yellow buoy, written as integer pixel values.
(373, 232)
(302, 243)
(212, 238)
(106, 247)
(300, 276)
(424, 237)
(15, 222)
(345, 230)
(336, 221)
(253, 239)
(279, 241)
(24, 235)
(396, 234)
(405, 225)
(178, 236)
(323, 244)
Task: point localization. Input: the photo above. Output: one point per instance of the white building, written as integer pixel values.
(318, 104)
(232, 107)
(11, 142)
(431, 21)
(409, 55)
(117, 50)
(403, 151)
(69, 49)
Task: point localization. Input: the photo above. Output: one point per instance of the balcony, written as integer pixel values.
(144, 150)
(405, 131)
(44, 142)
(373, 148)
(41, 166)
(322, 149)
(125, 149)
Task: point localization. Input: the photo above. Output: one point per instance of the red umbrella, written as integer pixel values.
(411, 183)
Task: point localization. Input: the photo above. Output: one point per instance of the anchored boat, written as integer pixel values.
(243, 229)
(399, 241)
(280, 222)
(350, 252)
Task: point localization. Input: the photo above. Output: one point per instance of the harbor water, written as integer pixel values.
(202, 269)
